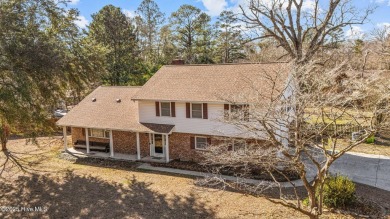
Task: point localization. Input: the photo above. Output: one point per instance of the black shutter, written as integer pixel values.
(226, 111)
(173, 109)
(83, 131)
(192, 142)
(208, 141)
(188, 110)
(205, 111)
(157, 108)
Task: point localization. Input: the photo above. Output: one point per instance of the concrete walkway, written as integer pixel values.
(373, 170)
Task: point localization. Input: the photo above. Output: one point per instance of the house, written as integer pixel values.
(179, 111)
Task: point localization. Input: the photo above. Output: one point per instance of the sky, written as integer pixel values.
(380, 17)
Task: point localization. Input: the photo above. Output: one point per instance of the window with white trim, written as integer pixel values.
(197, 110)
(239, 112)
(165, 108)
(200, 143)
(98, 133)
(239, 145)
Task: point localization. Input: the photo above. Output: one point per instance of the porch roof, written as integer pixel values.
(110, 108)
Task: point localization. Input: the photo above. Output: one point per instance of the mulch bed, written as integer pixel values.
(255, 172)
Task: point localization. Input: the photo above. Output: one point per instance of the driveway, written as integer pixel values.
(373, 170)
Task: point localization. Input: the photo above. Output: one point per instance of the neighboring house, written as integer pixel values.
(180, 110)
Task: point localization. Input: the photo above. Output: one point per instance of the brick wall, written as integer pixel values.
(124, 142)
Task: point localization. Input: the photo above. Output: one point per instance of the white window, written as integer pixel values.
(239, 146)
(165, 109)
(196, 110)
(239, 112)
(200, 143)
(98, 133)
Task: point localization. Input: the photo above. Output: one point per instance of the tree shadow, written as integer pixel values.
(75, 196)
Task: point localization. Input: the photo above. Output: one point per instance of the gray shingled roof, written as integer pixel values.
(214, 83)
(107, 113)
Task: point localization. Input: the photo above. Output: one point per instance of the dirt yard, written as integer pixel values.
(380, 147)
(74, 188)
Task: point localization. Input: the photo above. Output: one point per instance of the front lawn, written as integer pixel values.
(66, 187)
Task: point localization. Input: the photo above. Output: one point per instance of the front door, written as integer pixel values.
(158, 145)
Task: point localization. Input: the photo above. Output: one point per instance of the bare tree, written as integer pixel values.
(309, 120)
(301, 28)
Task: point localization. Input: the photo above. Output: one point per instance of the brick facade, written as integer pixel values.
(126, 143)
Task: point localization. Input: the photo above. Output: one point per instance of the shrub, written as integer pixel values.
(338, 191)
(370, 140)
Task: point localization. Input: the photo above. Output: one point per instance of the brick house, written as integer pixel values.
(179, 111)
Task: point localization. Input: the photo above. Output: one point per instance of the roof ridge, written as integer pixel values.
(241, 63)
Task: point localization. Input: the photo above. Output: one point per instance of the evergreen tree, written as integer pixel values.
(42, 52)
(229, 46)
(186, 23)
(149, 23)
(116, 33)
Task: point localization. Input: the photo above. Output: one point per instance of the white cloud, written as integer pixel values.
(81, 21)
(214, 7)
(355, 32)
(74, 2)
(128, 13)
(384, 24)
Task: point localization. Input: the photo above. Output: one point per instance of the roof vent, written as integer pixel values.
(94, 99)
(118, 100)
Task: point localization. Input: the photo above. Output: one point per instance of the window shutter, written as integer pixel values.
(192, 142)
(83, 131)
(157, 108)
(188, 110)
(173, 109)
(226, 111)
(205, 111)
(246, 112)
(208, 141)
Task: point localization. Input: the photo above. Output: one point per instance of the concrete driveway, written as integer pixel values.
(373, 170)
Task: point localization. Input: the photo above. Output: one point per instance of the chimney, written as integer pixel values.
(177, 61)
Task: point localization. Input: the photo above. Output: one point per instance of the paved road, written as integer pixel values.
(373, 170)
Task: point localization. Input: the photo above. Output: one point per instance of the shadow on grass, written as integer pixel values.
(74, 196)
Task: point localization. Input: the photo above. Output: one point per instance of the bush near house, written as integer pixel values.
(339, 191)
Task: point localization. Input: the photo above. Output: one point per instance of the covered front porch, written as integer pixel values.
(119, 156)
(151, 146)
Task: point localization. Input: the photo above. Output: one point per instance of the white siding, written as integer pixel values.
(210, 126)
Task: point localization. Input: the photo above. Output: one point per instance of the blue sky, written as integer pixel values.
(214, 7)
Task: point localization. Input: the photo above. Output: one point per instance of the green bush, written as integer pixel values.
(370, 140)
(338, 191)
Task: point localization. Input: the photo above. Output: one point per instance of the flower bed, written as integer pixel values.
(251, 172)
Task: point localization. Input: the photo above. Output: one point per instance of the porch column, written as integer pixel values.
(111, 145)
(65, 138)
(167, 148)
(87, 139)
(138, 147)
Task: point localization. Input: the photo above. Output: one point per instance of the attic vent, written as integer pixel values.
(94, 99)
(118, 100)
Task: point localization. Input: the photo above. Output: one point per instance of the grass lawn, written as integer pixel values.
(73, 188)
(380, 147)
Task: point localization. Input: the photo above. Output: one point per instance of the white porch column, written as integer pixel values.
(65, 138)
(111, 145)
(167, 148)
(87, 139)
(138, 147)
